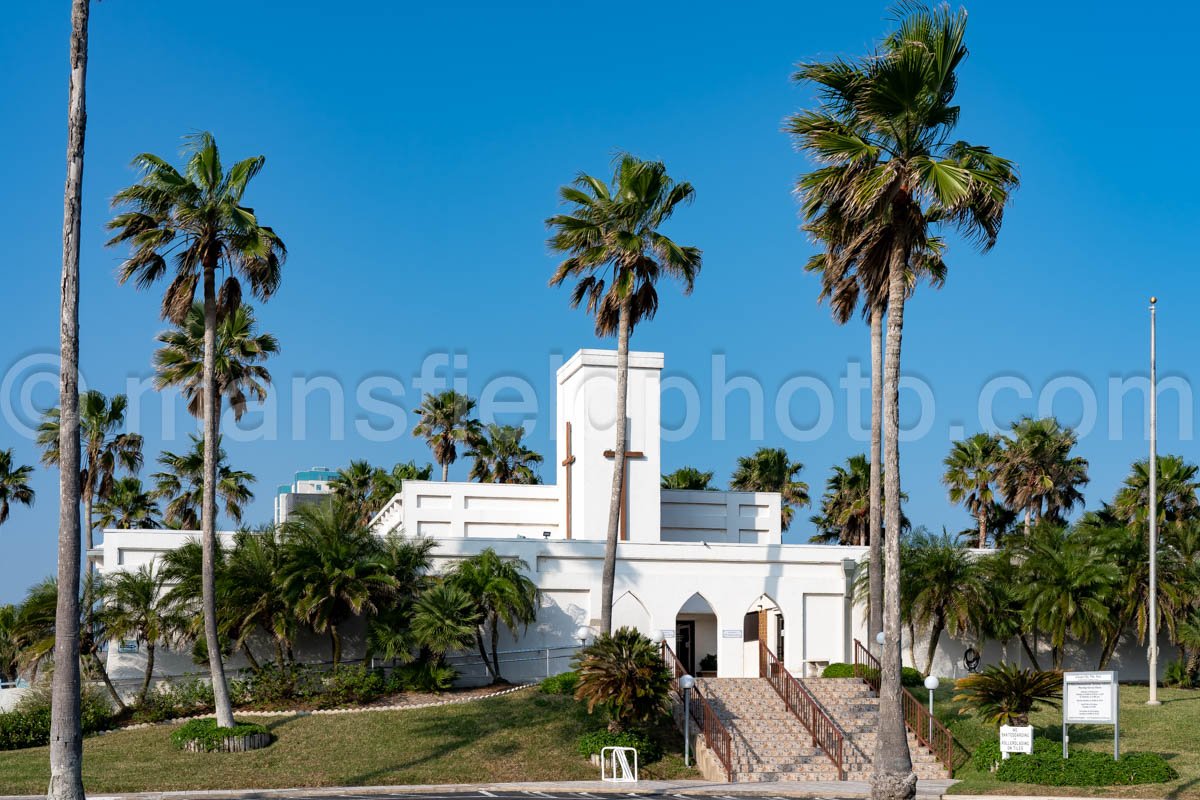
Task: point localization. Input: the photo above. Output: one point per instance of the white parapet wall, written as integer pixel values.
(726, 517)
(491, 510)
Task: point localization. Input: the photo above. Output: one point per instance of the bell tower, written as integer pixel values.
(587, 400)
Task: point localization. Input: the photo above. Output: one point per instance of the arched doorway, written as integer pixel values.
(630, 612)
(696, 636)
(763, 623)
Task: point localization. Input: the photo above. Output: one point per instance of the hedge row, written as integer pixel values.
(1047, 767)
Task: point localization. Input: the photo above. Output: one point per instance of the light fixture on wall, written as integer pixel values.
(545, 534)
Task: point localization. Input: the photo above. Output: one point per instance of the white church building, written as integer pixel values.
(701, 568)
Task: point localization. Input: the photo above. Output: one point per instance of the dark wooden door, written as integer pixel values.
(685, 644)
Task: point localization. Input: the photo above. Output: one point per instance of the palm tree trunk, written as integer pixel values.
(935, 633)
(1029, 651)
(495, 657)
(608, 578)
(1028, 524)
(982, 528)
(893, 778)
(250, 659)
(875, 561)
(149, 676)
(445, 472)
(335, 644)
(66, 739)
(487, 664)
(87, 521)
(102, 671)
(208, 508)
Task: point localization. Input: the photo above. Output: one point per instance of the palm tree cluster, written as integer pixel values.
(310, 576)
(768, 469)
(446, 423)
(369, 488)
(1030, 473)
(1061, 585)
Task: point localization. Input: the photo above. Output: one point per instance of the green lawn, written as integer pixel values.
(1171, 730)
(522, 736)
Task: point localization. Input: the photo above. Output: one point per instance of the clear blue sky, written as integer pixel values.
(413, 153)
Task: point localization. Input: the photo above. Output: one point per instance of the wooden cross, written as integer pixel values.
(623, 511)
(567, 462)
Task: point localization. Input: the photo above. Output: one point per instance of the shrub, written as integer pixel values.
(1005, 694)
(562, 683)
(1176, 674)
(209, 736)
(838, 670)
(20, 729)
(275, 685)
(1047, 767)
(592, 743)
(28, 725)
(429, 677)
(911, 677)
(350, 686)
(623, 674)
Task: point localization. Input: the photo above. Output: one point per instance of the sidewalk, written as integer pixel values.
(927, 790)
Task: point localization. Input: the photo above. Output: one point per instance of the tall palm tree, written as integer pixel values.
(105, 447)
(616, 253)
(970, 475)
(1176, 488)
(14, 484)
(445, 423)
(66, 735)
(181, 484)
(770, 470)
(882, 136)
(947, 585)
(854, 265)
(10, 650)
(136, 607)
(392, 631)
(128, 505)
(240, 351)
(500, 457)
(504, 595)
(198, 218)
(333, 568)
(688, 478)
(1038, 475)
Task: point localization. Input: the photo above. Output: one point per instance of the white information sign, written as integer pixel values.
(1091, 698)
(1016, 739)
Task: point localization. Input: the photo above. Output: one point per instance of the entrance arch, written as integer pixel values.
(696, 636)
(763, 622)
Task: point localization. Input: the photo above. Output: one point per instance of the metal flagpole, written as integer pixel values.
(1153, 518)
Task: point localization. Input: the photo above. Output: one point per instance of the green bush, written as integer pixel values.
(562, 683)
(20, 729)
(208, 735)
(838, 670)
(428, 677)
(353, 685)
(1047, 767)
(1176, 674)
(592, 743)
(28, 725)
(911, 677)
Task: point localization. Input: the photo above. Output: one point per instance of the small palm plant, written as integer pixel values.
(623, 674)
(1005, 694)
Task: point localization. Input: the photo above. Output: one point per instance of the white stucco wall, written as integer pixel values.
(728, 517)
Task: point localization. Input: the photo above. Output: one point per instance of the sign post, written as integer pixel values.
(1091, 698)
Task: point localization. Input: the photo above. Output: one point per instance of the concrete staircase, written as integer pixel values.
(770, 744)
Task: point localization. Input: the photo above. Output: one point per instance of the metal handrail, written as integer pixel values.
(716, 735)
(800, 701)
(928, 729)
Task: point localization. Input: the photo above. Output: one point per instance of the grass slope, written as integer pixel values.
(521, 736)
(1171, 730)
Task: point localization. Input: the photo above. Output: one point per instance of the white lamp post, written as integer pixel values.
(581, 633)
(686, 683)
(931, 683)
